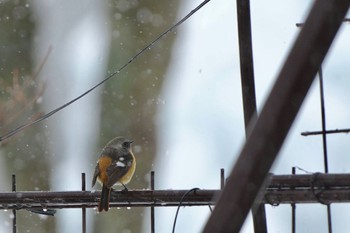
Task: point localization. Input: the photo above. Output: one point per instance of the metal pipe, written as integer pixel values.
(14, 220)
(282, 189)
(152, 207)
(83, 210)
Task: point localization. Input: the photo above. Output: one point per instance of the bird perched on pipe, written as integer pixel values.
(116, 165)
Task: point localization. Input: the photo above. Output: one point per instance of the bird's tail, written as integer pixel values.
(104, 202)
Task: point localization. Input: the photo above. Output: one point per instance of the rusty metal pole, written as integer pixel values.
(14, 220)
(153, 227)
(248, 90)
(277, 116)
(246, 60)
(83, 210)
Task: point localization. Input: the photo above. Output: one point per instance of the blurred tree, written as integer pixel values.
(23, 154)
(16, 29)
(130, 100)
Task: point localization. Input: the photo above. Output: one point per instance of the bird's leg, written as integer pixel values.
(125, 188)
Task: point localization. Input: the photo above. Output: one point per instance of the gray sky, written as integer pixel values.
(202, 120)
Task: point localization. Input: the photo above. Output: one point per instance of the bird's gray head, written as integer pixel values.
(120, 143)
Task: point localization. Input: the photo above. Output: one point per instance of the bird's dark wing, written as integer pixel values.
(115, 172)
(96, 173)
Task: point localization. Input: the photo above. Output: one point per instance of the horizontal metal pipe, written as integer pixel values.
(282, 189)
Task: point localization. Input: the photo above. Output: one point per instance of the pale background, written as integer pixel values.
(180, 102)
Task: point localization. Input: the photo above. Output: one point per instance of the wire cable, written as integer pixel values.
(178, 207)
(115, 73)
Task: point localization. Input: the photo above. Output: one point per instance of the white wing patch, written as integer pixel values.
(120, 164)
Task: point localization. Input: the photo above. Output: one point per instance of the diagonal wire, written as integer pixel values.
(115, 73)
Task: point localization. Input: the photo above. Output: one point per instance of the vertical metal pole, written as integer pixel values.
(152, 207)
(329, 217)
(248, 91)
(259, 218)
(293, 208)
(222, 178)
(83, 210)
(324, 141)
(14, 220)
(323, 116)
(246, 60)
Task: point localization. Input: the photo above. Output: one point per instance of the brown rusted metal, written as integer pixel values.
(88, 199)
(246, 60)
(248, 90)
(282, 189)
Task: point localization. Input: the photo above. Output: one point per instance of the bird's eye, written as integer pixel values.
(126, 144)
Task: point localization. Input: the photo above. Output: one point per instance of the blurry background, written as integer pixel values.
(180, 102)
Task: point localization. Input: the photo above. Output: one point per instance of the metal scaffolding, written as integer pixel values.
(271, 127)
(281, 189)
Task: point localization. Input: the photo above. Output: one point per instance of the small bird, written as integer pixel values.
(116, 165)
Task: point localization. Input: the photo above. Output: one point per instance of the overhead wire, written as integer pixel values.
(113, 74)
